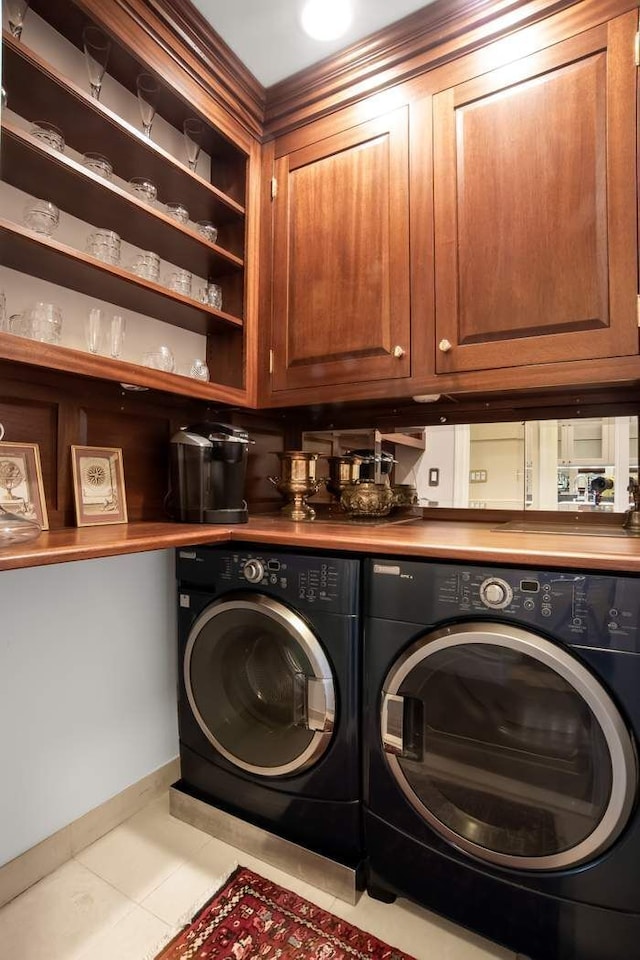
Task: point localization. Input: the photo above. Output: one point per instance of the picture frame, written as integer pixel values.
(98, 485)
(21, 486)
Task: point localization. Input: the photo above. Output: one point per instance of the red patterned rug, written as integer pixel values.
(251, 918)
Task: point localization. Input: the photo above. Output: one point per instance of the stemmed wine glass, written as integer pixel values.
(148, 95)
(193, 133)
(96, 51)
(16, 10)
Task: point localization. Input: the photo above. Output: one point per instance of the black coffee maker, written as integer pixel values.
(208, 464)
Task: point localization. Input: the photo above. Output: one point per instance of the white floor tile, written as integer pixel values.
(135, 936)
(59, 917)
(141, 853)
(418, 932)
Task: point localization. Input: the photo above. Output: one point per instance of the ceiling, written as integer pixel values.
(268, 38)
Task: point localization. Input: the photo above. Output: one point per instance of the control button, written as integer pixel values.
(613, 612)
(529, 605)
(253, 571)
(273, 578)
(612, 626)
(577, 621)
(546, 612)
(496, 593)
(546, 597)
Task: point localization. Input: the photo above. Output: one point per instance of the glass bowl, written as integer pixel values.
(48, 134)
(207, 230)
(144, 188)
(41, 216)
(99, 164)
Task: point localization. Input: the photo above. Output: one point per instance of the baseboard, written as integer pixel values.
(336, 878)
(34, 864)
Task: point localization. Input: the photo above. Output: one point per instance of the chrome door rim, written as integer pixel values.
(300, 632)
(620, 745)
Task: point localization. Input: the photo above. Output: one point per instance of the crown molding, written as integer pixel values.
(205, 56)
(427, 38)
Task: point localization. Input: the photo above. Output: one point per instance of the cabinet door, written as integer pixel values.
(535, 207)
(341, 258)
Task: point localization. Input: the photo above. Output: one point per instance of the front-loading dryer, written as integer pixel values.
(269, 666)
(502, 713)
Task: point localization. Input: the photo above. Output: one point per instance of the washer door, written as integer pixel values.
(260, 685)
(508, 747)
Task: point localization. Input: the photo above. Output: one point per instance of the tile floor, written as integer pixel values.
(119, 897)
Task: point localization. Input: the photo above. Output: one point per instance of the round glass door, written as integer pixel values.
(508, 746)
(259, 685)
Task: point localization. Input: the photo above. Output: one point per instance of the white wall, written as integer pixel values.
(87, 688)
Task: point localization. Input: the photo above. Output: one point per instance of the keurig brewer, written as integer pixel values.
(208, 464)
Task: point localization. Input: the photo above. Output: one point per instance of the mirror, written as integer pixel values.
(568, 465)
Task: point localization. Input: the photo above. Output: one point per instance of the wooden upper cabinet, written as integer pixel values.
(535, 207)
(341, 258)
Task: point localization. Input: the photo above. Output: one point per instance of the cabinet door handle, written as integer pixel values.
(445, 346)
(398, 352)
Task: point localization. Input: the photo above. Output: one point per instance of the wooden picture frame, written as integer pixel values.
(21, 487)
(98, 485)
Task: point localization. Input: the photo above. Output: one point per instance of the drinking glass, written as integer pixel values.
(148, 95)
(180, 282)
(16, 10)
(160, 359)
(117, 335)
(41, 216)
(45, 321)
(193, 134)
(178, 212)
(96, 52)
(93, 330)
(4, 319)
(212, 295)
(198, 370)
(207, 230)
(48, 134)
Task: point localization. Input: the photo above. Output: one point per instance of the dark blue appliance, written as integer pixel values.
(269, 646)
(502, 712)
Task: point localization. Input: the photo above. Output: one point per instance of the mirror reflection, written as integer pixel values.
(564, 465)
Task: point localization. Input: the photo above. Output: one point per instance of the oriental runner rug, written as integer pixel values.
(251, 918)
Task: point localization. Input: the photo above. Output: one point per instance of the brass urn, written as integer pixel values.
(343, 470)
(296, 482)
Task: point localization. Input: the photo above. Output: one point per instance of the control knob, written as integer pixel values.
(253, 571)
(496, 593)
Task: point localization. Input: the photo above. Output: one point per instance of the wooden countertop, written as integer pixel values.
(446, 540)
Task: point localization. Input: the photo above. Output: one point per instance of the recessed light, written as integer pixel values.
(326, 19)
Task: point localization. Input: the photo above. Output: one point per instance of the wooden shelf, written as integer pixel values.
(405, 440)
(27, 165)
(52, 357)
(40, 256)
(36, 90)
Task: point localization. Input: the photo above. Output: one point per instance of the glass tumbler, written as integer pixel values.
(41, 216)
(48, 134)
(146, 265)
(180, 282)
(212, 295)
(46, 322)
(104, 245)
(207, 230)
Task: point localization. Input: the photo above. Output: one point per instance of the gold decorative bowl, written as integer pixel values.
(342, 471)
(404, 495)
(298, 481)
(364, 498)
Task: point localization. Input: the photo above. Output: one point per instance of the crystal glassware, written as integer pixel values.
(148, 95)
(160, 359)
(99, 164)
(144, 188)
(180, 282)
(4, 319)
(146, 265)
(116, 335)
(16, 10)
(48, 134)
(93, 330)
(96, 52)
(198, 370)
(211, 295)
(41, 216)
(193, 134)
(104, 245)
(45, 322)
(207, 230)
(178, 212)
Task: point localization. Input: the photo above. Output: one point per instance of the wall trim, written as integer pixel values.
(29, 867)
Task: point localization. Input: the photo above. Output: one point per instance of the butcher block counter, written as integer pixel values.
(445, 540)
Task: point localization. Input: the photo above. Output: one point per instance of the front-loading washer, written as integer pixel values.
(502, 713)
(269, 667)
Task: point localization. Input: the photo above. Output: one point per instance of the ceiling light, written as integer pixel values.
(326, 19)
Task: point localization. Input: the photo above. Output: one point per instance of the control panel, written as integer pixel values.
(597, 610)
(331, 583)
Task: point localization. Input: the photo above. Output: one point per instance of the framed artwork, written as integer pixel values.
(21, 488)
(98, 485)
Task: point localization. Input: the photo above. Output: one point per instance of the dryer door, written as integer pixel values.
(508, 746)
(260, 685)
